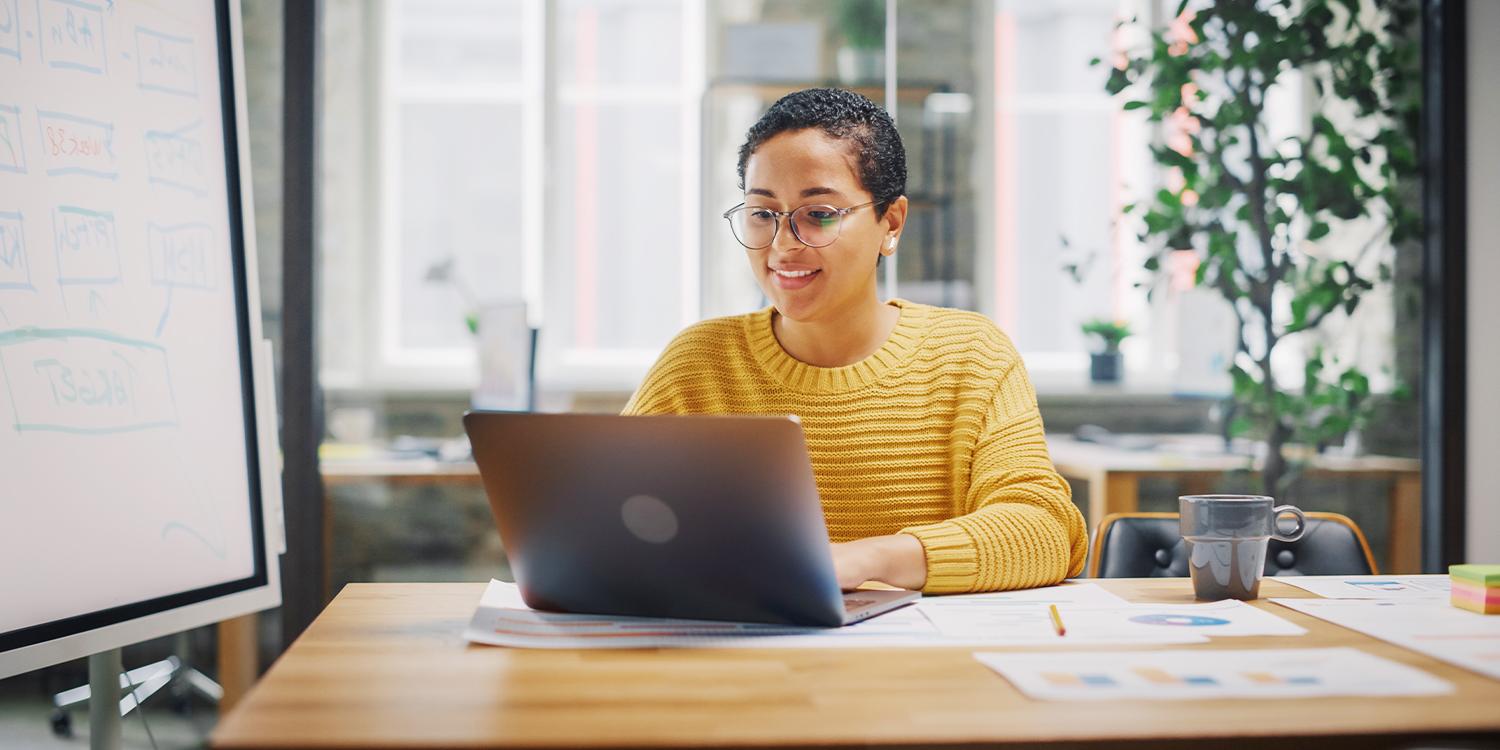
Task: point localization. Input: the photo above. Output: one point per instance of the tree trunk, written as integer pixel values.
(1276, 469)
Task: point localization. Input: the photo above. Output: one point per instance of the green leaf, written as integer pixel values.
(1355, 383)
(1133, 105)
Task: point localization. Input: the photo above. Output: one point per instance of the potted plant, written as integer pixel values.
(1106, 366)
(505, 343)
(1264, 214)
(861, 59)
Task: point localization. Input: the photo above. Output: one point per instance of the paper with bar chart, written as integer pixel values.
(1205, 674)
(1373, 587)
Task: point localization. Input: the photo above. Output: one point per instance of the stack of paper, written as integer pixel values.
(1476, 588)
(1092, 616)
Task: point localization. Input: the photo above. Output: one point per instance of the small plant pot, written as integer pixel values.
(858, 65)
(1106, 367)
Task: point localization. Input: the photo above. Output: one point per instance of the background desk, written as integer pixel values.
(1113, 475)
(398, 471)
(385, 666)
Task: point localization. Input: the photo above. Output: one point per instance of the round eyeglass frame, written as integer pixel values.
(842, 212)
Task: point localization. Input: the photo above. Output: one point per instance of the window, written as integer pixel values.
(1064, 157)
(622, 242)
(454, 109)
(503, 172)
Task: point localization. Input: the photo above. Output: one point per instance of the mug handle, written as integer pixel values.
(1277, 512)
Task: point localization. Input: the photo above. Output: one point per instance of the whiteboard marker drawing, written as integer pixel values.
(72, 36)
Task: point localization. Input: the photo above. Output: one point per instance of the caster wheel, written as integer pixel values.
(62, 723)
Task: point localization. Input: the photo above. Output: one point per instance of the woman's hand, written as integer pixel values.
(896, 559)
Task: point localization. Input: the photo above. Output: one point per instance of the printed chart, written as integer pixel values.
(1433, 627)
(1203, 674)
(1373, 587)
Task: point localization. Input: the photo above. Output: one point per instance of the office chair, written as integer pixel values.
(1150, 545)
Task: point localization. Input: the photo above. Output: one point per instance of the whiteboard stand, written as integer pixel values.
(142, 682)
(104, 709)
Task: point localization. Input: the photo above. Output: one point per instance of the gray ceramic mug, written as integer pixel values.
(1226, 541)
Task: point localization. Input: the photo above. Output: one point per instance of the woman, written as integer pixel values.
(920, 421)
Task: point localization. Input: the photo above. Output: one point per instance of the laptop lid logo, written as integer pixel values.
(649, 519)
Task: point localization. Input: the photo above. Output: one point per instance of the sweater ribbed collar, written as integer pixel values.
(805, 378)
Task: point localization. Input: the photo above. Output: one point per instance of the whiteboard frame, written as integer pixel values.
(261, 595)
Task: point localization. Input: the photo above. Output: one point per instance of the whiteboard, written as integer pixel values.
(134, 500)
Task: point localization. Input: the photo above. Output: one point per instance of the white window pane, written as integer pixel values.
(633, 42)
(1051, 44)
(1061, 187)
(452, 42)
(615, 245)
(459, 197)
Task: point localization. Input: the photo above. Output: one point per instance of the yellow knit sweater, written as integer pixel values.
(936, 435)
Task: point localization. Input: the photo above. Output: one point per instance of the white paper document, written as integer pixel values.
(1090, 614)
(1090, 619)
(1006, 618)
(504, 619)
(1431, 626)
(1373, 587)
(1211, 673)
(1229, 617)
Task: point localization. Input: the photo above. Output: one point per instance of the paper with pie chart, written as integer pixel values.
(1209, 619)
(1022, 618)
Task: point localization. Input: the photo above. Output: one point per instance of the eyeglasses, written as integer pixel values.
(814, 226)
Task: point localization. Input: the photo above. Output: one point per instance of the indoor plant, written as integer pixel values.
(861, 59)
(1264, 215)
(1106, 366)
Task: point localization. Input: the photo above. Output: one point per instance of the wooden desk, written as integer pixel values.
(399, 471)
(1113, 476)
(385, 666)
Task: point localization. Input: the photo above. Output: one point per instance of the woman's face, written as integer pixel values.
(806, 167)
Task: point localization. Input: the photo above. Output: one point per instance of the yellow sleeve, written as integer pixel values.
(1019, 527)
(661, 391)
(655, 394)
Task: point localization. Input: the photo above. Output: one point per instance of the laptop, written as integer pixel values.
(694, 517)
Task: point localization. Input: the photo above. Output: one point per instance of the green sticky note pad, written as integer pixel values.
(1484, 575)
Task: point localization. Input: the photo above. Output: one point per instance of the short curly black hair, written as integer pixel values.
(846, 116)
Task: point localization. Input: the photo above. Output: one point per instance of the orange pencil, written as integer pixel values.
(1057, 621)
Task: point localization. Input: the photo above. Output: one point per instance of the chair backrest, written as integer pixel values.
(1149, 545)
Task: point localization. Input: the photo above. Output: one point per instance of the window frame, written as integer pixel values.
(384, 362)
